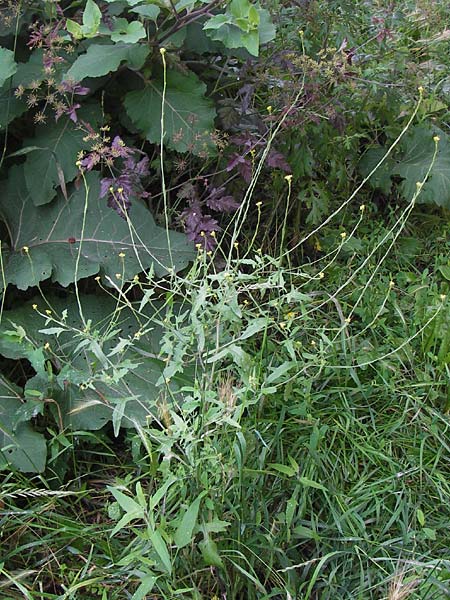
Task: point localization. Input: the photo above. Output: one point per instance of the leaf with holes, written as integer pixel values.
(45, 240)
(20, 446)
(188, 114)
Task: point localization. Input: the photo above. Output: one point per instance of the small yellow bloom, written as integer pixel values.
(420, 89)
(362, 208)
(26, 249)
(348, 320)
(48, 312)
(288, 178)
(122, 254)
(321, 275)
(436, 139)
(118, 276)
(343, 235)
(34, 306)
(162, 50)
(269, 110)
(258, 204)
(47, 346)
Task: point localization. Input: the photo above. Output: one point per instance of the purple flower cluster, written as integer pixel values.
(241, 161)
(201, 228)
(120, 189)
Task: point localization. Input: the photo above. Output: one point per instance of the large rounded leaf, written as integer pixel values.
(20, 446)
(46, 240)
(188, 115)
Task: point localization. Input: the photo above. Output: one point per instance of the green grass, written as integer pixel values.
(317, 477)
(308, 455)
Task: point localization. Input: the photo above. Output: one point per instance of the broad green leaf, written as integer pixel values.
(20, 446)
(289, 471)
(419, 148)
(46, 239)
(92, 408)
(10, 107)
(445, 271)
(183, 535)
(266, 29)
(59, 144)
(101, 59)
(145, 587)
(306, 533)
(243, 26)
(126, 503)
(381, 179)
(208, 548)
(417, 155)
(310, 483)
(149, 11)
(126, 32)
(91, 19)
(188, 115)
(161, 549)
(74, 29)
(232, 36)
(7, 65)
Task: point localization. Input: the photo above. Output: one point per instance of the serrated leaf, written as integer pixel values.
(20, 446)
(101, 59)
(419, 148)
(188, 115)
(46, 239)
(8, 65)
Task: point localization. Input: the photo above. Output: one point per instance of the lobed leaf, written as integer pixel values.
(101, 59)
(188, 114)
(45, 240)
